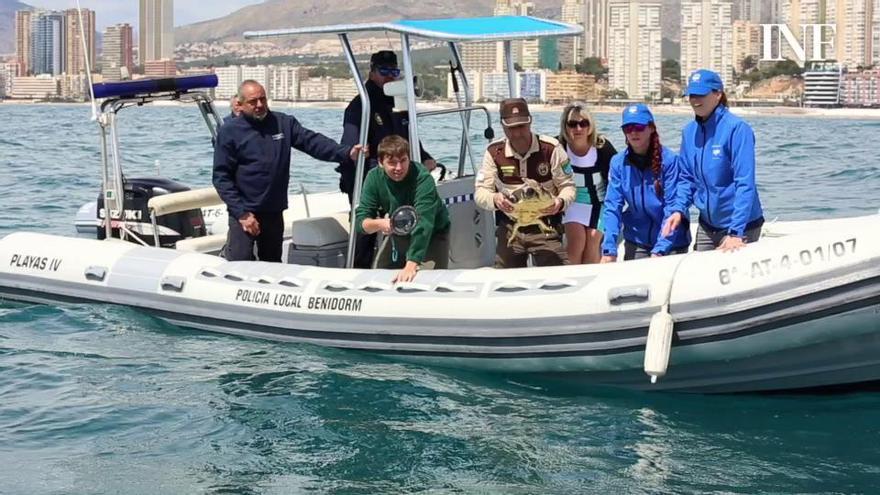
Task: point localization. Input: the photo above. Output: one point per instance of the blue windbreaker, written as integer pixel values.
(252, 160)
(718, 159)
(645, 212)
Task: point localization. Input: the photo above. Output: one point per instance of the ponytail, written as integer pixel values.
(723, 100)
(657, 163)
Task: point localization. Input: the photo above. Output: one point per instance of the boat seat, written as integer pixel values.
(319, 241)
(209, 244)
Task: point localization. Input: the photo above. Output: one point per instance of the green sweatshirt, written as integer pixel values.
(418, 190)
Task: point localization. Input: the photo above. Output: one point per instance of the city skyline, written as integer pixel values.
(112, 12)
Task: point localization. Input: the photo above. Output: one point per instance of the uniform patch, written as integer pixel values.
(543, 168)
(378, 119)
(566, 167)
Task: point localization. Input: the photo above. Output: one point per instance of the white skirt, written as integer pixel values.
(584, 214)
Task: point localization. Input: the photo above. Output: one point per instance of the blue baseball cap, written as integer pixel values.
(702, 82)
(637, 113)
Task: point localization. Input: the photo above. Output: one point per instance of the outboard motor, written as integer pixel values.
(172, 227)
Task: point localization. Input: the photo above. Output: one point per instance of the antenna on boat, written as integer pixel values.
(82, 37)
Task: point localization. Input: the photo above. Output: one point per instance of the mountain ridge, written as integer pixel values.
(7, 23)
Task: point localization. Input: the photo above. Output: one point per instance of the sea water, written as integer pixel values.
(103, 399)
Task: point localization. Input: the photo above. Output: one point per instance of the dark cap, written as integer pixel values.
(515, 111)
(383, 58)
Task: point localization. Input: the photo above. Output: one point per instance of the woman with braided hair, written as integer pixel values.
(645, 178)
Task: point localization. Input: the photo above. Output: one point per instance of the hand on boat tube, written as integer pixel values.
(731, 243)
(671, 224)
(250, 224)
(607, 259)
(430, 164)
(408, 273)
(356, 150)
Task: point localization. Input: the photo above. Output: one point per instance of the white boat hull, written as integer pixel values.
(789, 312)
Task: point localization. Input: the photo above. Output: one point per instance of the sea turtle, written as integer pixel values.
(529, 202)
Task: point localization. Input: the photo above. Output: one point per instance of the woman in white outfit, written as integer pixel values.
(590, 154)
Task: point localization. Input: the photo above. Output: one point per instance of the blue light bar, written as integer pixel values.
(142, 87)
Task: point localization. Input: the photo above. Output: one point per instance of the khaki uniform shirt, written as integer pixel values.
(553, 173)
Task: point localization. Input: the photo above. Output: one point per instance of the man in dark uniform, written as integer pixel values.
(252, 171)
(383, 122)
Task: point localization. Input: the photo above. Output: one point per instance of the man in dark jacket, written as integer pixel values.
(252, 171)
(383, 123)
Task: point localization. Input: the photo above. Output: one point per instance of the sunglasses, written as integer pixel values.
(583, 124)
(388, 71)
(634, 128)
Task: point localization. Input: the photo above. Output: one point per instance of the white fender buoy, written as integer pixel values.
(659, 344)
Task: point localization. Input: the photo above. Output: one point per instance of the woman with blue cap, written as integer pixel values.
(718, 159)
(645, 179)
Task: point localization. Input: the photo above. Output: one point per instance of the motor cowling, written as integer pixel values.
(173, 227)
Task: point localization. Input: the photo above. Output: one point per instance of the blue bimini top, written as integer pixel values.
(500, 28)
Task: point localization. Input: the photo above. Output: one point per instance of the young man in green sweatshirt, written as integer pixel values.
(399, 182)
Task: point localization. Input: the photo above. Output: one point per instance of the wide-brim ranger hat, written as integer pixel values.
(702, 82)
(637, 113)
(514, 112)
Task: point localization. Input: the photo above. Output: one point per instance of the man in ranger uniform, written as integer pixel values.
(524, 155)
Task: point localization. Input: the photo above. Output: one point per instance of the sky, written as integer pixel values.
(109, 12)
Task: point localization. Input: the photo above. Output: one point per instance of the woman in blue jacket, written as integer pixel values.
(718, 159)
(645, 179)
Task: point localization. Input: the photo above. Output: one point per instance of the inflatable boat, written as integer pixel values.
(797, 310)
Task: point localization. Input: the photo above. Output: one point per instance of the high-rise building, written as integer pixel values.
(853, 20)
(596, 28)
(74, 62)
(548, 53)
(875, 33)
(156, 30)
(855, 27)
(261, 74)
(524, 51)
(23, 20)
(483, 57)
(795, 13)
(160, 68)
(228, 79)
(48, 43)
(770, 11)
(571, 48)
(530, 54)
(489, 56)
(706, 37)
(749, 10)
(564, 87)
(285, 82)
(117, 49)
(746, 43)
(634, 51)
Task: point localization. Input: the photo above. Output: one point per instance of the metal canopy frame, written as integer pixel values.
(113, 190)
(500, 28)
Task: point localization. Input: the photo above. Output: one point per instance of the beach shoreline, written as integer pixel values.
(665, 109)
